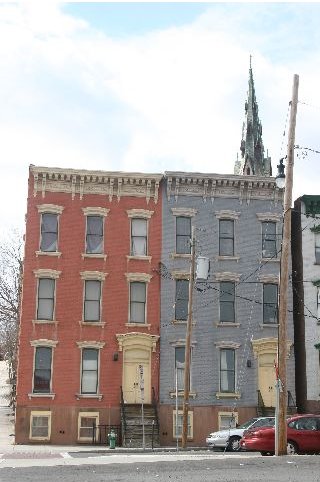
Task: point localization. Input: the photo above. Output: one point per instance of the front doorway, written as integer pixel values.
(136, 374)
(267, 378)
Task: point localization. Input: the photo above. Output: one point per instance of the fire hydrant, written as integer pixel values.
(112, 439)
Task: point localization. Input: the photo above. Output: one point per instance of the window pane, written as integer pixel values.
(270, 303)
(137, 312)
(183, 235)
(89, 382)
(90, 359)
(49, 232)
(227, 370)
(94, 237)
(42, 371)
(226, 247)
(40, 426)
(45, 306)
(138, 292)
(227, 291)
(92, 300)
(226, 228)
(182, 299)
(269, 244)
(179, 365)
(139, 227)
(226, 237)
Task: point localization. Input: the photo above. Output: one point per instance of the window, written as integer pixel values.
(94, 236)
(318, 303)
(139, 229)
(92, 300)
(227, 297)
(183, 235)
(40, 425)
(269, 240)
(46, 292)
(49, 232)
(227, 420)
(178, 424)
(182, 299)
(317, 248)
(137, 302)
(270, 303)
(226, 237)
(89, 371)
(87, 421)
(42, 370)
(227, 370)
(179, 367)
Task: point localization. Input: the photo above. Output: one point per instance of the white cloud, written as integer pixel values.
(168, 99)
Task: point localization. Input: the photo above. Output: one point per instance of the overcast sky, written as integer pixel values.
(151, 87)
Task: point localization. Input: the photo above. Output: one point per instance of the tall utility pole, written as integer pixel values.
(187, 347)
(281, 429)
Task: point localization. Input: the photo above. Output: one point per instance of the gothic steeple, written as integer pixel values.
(252, 162)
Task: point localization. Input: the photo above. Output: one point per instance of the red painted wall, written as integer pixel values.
(69, 295)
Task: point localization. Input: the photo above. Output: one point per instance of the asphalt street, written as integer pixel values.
(151, 468)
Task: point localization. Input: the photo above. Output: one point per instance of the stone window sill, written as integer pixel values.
(269, 260)
(94, 255)
(97, 396)
(92, 323)
(41, 395)
(226, 324)
(139, 258)
(228, 395)
(269, 325)
(181, 394)
(48, 253)
(182, 255)
(45, 322)
(142, 325)
(228, 258)
(183, 322)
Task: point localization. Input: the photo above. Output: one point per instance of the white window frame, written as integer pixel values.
(39, 413)
(180, 417)
(42, 343)
(230, 415)
(132, 254)
(97, 370)
(184, 213)
(98, 345)
(92, 276)
(103, 213)
(49, 209)
(234, 370)
(225, 345)
(316, 248)
(233, 301)
(140, 278)
(145, 215)
(46, 274)
(318, 303)
(94, 415)
(264, 303)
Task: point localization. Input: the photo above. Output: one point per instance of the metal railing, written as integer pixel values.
(100, 434)
(123, 416)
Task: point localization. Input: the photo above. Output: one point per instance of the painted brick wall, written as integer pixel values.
(205, 362)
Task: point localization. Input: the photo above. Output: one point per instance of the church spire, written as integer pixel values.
(252, 160)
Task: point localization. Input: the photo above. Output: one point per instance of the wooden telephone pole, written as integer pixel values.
(187, 347)
(281, 428)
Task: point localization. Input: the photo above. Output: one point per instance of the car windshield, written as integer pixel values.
(248, 423)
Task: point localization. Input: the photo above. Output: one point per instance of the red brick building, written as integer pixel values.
(91, 301)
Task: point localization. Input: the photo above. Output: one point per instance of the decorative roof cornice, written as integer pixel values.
(211, 186)
(81, 182)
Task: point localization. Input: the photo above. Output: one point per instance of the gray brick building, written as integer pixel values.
(237, 221)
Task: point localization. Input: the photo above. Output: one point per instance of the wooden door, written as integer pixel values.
(267, 379)
(136, 373)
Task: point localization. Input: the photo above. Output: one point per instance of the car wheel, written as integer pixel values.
(292, 448)
(234, 444)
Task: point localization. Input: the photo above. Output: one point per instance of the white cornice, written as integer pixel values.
(211, 186)
(81, 182)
